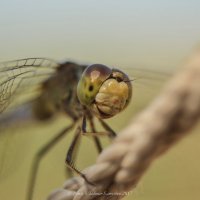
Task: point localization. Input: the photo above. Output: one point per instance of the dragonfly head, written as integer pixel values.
(105, 91)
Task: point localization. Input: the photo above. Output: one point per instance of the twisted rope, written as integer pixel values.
(119, 167)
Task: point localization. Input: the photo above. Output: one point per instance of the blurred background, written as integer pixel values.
(147, 34)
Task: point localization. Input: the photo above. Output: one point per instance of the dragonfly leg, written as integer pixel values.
(69, 158)
(108, 131)
(69, 171)
(38, 158)
(83, 125)
(112, 133)
(94, 133)
(95, 138)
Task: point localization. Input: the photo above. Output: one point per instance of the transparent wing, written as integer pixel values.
(147, 79)
(147, 75)
(20, 81)
(22, 77)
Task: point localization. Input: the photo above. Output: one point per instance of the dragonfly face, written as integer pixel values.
(105, 91)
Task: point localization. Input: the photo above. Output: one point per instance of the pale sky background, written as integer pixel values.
(129, 33)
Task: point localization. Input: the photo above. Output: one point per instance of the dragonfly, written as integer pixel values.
(41, 88)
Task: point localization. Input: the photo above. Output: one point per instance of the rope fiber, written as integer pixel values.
(167, 119)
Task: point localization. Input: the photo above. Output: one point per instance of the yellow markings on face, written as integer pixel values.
(112, 97)
(112, 86)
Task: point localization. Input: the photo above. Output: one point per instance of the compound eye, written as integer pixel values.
(90, 82)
